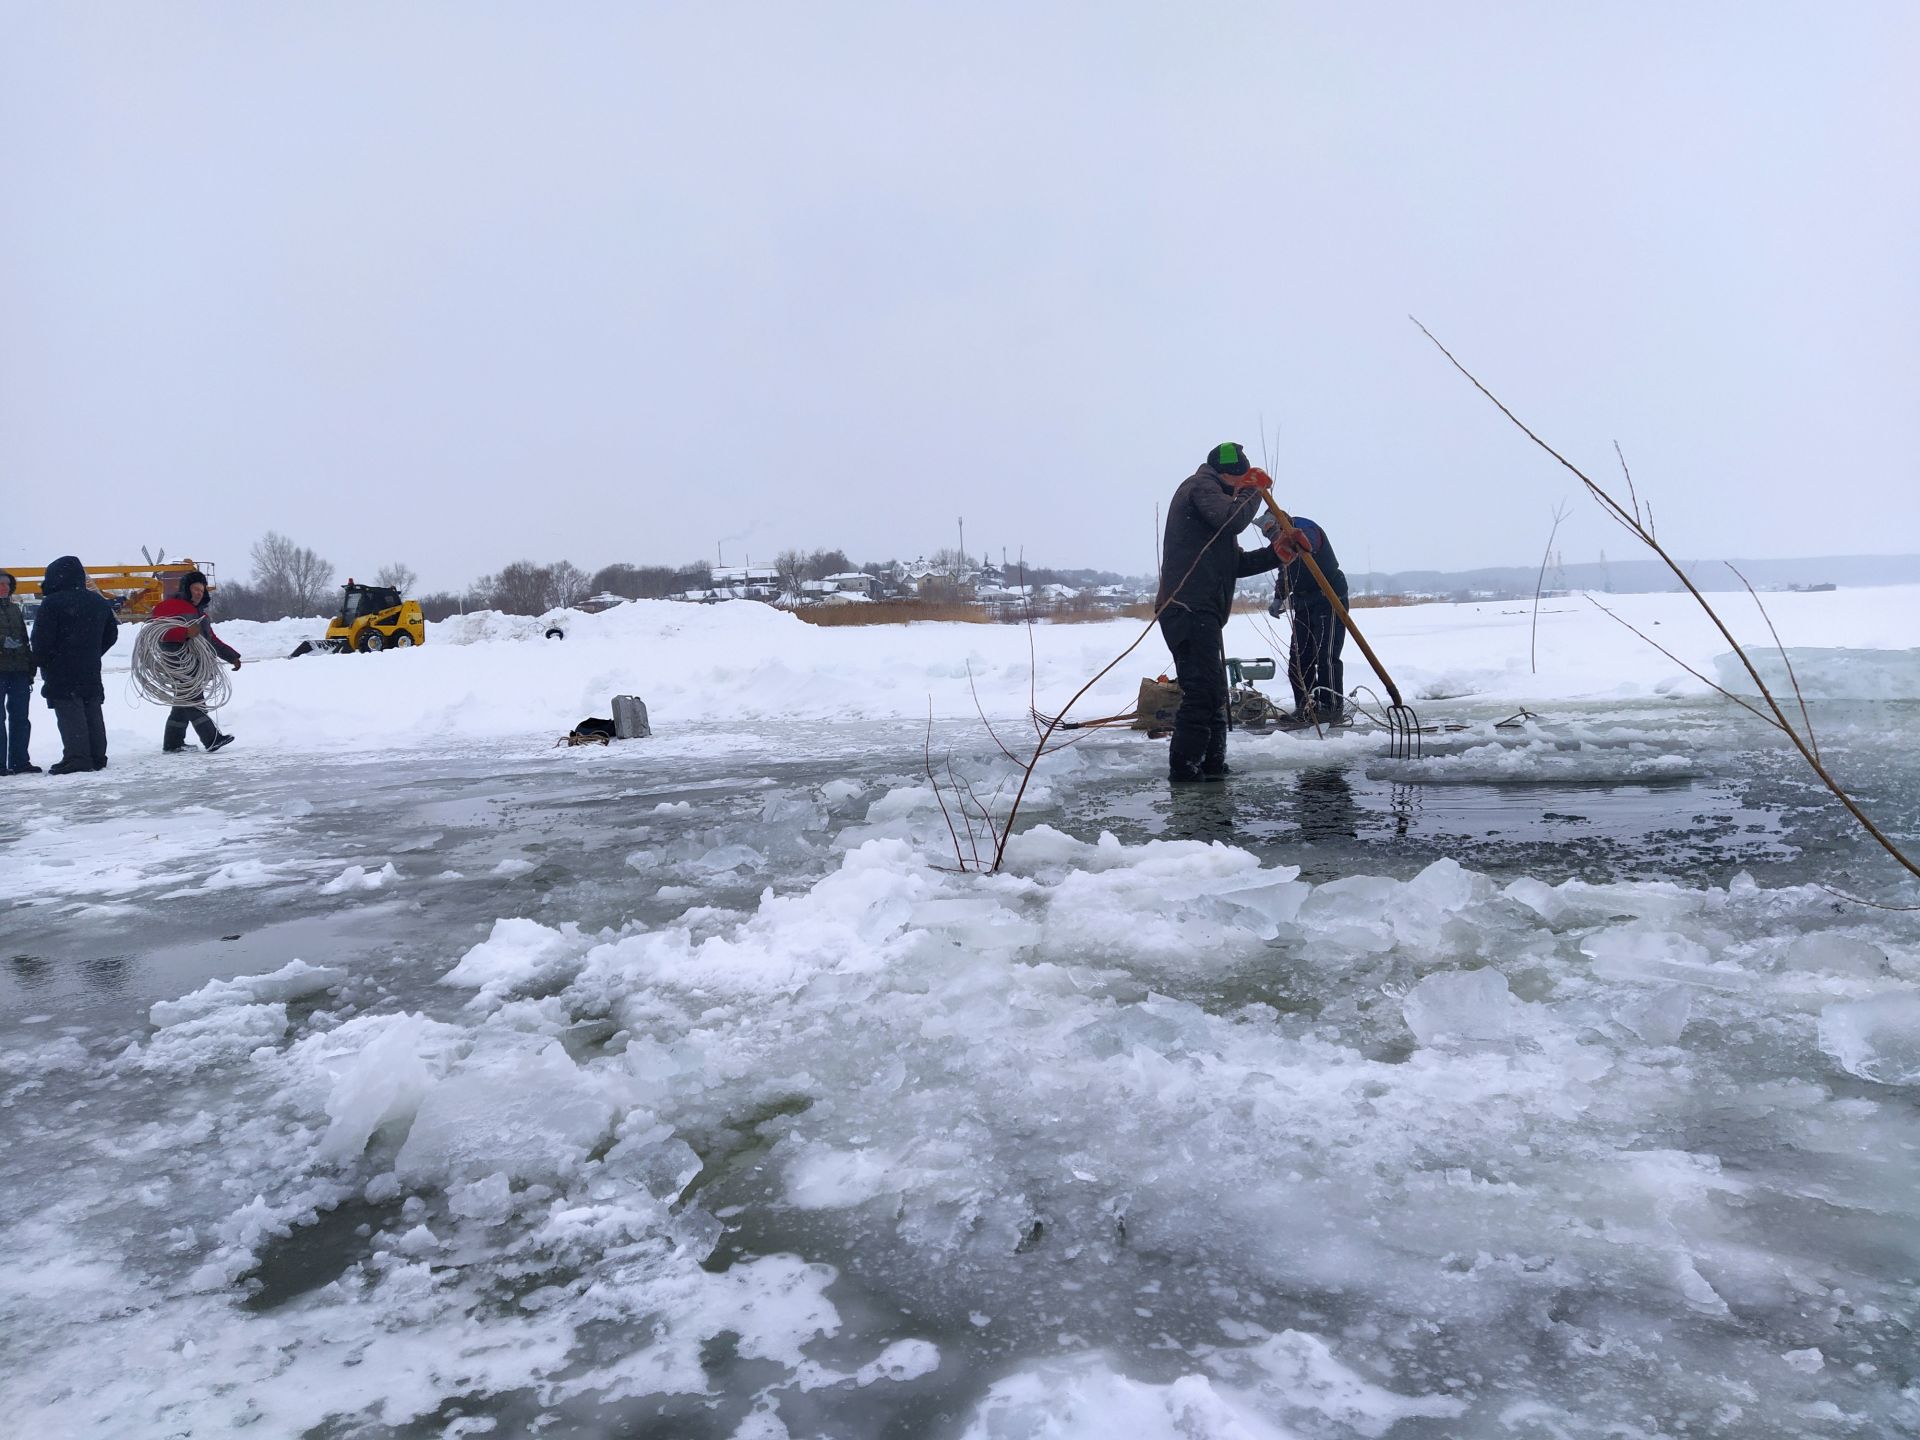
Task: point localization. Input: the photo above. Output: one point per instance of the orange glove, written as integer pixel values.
(1254, 479)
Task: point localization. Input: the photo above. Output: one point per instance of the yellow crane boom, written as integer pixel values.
(134, 589)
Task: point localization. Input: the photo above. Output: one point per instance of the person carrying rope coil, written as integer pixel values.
(179, 665)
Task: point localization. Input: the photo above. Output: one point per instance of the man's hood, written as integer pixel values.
(66, 573)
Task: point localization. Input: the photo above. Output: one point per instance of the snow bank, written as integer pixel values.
(492, 675)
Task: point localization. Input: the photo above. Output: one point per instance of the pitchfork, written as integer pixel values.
(1403, 726)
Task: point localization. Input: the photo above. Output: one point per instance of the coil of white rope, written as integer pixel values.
(187, 674)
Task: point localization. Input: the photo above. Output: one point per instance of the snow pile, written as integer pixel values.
(493, 675)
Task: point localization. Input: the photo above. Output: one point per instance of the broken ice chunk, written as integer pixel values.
(294, 980)
(1877, 1038)
(1457, 1005)
(1660, 1016)
(530, 1117)
(385, 1081)
(1836, 955)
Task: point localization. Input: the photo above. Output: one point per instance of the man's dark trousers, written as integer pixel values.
(1316, 670)
(83, 731)
(1200, 724)
(16, 694)
(181, 716)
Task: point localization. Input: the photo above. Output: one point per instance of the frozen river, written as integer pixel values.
(685, 1089)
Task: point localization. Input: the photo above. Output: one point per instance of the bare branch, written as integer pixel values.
(980, 710)
(1632, 494)
(1785, 659)
(927, 754)
(1710, 684)
(1539, 583)
(1871, 904)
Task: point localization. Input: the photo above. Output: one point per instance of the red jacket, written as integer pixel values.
(177, 608)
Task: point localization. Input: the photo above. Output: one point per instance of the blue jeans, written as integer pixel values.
(16, 691)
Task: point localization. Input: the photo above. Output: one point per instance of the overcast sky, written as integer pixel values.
(461, 284)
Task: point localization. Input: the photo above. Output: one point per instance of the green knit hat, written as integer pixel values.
(1228, 458)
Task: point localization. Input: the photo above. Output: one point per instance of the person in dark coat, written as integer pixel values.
(190, 606)
(1314, 667)
(16, 683)
(1200, 564)
(74, 628)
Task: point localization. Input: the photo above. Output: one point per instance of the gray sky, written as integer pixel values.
(460, 284)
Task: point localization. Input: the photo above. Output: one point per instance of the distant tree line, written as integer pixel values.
(290, 580)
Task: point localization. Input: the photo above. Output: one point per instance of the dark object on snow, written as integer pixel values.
(73, 628)
(591, 731)
(554, 632)
(305, 647)
(630, 718)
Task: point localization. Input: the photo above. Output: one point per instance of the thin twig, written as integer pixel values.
(1632, 494)
(973, 839)
(1785, 659)
(1627, 624)
(981, 711)
(985, 809)
(1539, 584)
(927, 753)
(1871, 904)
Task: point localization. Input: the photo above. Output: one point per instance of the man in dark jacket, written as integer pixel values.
(16, 683)
(1314, 667)
(1200, 563)
(74, 628)
(190, 607)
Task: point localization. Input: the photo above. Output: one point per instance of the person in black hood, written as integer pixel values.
(74, 628)
(1200, 563)
(190, 607)
(16, 683)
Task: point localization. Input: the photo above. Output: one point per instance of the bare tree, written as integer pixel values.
(519, 588)
(567, 584)
(792, 565)
(237, 601)
(397, 577)
(290, 579)
(630, 582)
(822, 563)
(649, 582)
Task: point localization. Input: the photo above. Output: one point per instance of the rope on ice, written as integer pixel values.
(187, 674)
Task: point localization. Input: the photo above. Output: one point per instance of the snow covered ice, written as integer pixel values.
(393, 1073)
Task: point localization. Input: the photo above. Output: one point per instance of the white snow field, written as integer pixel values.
(394, 1073)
